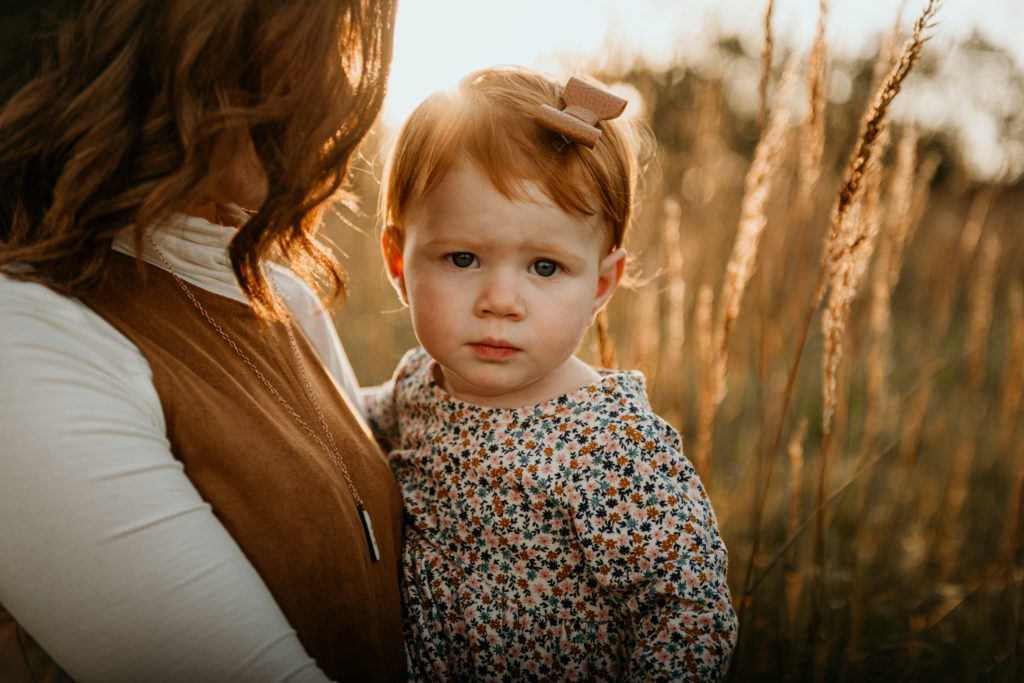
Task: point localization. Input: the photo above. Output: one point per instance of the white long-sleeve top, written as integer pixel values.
(108, 556)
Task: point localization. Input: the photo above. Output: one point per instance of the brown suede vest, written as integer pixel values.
(282, 499)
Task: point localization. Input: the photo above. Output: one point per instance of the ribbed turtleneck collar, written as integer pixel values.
(196, 249)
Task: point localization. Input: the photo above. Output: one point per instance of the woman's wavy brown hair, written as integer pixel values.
(111, 112)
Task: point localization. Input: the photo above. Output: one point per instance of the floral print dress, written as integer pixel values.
(570, 540)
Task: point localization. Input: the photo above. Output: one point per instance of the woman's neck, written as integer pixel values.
(230, 215)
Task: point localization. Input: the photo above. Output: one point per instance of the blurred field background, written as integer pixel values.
(832, 315)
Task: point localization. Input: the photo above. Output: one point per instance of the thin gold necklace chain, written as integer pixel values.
(331, 452)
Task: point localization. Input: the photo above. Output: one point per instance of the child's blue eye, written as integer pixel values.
(461, 259)
(545, 268)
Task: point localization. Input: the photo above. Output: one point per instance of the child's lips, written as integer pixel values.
(494, 349)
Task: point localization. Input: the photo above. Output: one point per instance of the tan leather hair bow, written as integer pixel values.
(585, 105)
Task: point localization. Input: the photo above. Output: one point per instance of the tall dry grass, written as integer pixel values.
(740, 267)
(833, 319)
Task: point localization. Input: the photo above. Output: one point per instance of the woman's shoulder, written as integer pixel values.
(33, 314)
(55, 349)
(18, 297)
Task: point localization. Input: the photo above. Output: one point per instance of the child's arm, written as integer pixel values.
(651, 539)
(382, 413)
(380, 403)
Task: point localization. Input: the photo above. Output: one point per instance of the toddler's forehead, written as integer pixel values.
(466, 182)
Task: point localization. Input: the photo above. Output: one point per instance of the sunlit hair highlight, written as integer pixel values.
(488, 119)
(111, 112)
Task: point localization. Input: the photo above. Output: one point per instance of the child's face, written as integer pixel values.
(500, 291)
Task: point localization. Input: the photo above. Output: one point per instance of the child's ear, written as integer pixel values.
(390, 246)
(608, 276)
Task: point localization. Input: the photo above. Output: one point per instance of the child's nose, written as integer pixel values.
(500, 297)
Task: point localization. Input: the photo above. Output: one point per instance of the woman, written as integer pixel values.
(185, 492)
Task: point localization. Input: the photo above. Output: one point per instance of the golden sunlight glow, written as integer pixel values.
(439, 41)
(436, 43)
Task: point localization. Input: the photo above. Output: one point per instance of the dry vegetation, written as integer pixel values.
(832, 315)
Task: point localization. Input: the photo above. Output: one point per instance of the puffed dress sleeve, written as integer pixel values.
(651, 540)
(380, 403)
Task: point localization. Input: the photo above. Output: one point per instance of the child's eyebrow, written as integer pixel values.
(565, 249)
(449, 241)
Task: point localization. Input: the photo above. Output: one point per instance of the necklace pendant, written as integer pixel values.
(371, 540)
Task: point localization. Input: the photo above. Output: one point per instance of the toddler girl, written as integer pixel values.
(554, 529)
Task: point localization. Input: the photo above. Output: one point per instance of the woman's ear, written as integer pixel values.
(391, 247)
(608, 276)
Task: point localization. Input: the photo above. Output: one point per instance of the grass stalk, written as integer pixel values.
(1013, 379)
(766, 64)
(605, 346)
(740, 267)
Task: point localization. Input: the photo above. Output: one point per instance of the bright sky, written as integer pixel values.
(438, 41)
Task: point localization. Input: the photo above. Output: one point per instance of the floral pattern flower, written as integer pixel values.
(570, 540)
